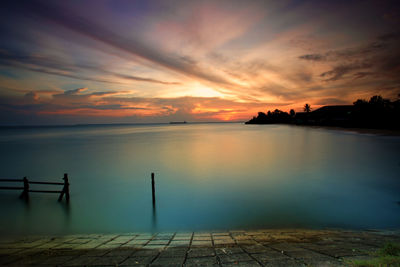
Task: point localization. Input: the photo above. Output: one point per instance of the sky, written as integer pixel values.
(122, 61)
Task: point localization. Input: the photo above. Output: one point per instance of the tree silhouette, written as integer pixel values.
(377, 100)
(276, 116)
(377, 113)
(307, 108)
(360, 102)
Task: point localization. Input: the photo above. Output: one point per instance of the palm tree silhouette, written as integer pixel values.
(307, 108)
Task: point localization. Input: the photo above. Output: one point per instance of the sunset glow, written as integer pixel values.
(64, 62)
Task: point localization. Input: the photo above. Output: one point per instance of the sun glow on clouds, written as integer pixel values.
(155, 61)
(194, 90)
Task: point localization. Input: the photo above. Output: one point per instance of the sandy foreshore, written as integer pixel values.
(288, 247)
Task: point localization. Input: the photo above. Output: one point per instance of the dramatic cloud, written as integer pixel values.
(313, 57)
(32, 96)
(156, 61)
(56, 66)
(74, 91)
(339, 71)
(53, 13)
(378, 61)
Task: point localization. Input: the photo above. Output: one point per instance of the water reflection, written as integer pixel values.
(27, 207)
(66, 207)
(154, 219)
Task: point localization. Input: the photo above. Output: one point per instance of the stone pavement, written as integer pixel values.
(230, 248)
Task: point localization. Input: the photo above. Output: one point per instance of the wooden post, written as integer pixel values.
(153, 189)
(25, 193)
(66, 186)
(65, 189)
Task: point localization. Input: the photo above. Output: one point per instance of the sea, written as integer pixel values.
(208, 176)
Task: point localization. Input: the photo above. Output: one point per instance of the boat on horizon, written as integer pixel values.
(177, 122)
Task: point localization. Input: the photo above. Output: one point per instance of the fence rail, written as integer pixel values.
(26, 190)
(11, 187)
(46, 183)
(11, 180)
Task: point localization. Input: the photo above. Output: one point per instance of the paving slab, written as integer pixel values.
(96, 252)
(234, 258)
(228, 250)
(56, 260)
(160, 261)
(179, 243)
(159, 242)
(102, 261)
(285, 262)
(200, 252)
(224, 242)
(201, 261)
(202, 243)
(243, 264)
(120, 252)
(202, 238)
(270, 257)
(172, 252)
(183, 236)
(137, 261)
(255, 248)
(146, 253)
(79, 261)
(163, 237)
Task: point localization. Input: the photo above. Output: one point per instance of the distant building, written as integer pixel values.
(327, 115)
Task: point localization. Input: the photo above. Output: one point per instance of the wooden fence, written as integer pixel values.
(25, 188)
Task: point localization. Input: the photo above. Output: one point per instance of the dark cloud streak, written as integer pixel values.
(56, 14)
(339, 71)
(379, 58)
(54, 66)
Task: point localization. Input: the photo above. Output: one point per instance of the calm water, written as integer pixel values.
(208, 176)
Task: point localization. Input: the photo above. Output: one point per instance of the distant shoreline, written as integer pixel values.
(377, 116)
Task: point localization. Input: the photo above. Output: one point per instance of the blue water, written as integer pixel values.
(208, 176)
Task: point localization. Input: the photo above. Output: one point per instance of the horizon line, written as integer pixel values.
(110, 124)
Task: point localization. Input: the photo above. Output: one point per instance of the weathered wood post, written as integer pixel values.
(25, 193)
(66, 186)
(65, 189)
(153, 190)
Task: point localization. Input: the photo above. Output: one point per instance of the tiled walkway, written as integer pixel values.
(231, 248)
